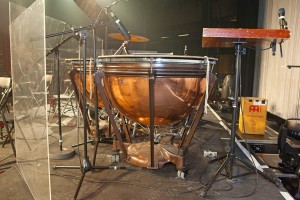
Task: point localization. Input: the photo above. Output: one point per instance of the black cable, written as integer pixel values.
(262, 49)
(220, 179)
(135, 184)
(4, 168)
(6, 158)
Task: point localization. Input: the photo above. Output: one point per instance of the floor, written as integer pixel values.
(138, 183)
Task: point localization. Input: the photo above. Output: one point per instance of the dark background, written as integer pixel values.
(155, 19)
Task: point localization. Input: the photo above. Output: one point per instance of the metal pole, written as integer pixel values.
(58, 99)
(235, 107)
(152, 112)
(84, 36)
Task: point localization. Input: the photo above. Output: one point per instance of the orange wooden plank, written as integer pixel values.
(224, 37)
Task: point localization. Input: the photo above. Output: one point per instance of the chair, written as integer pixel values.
(227, 89)
(67, 99)
(6, 118)
(226, 93)
(38, 94)
(5, 83)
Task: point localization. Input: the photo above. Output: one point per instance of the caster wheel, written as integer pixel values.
(115, 158)
(181, 174)
(220, 107)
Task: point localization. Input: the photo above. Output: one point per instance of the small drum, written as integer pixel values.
(179, 85)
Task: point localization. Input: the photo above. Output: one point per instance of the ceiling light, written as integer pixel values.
(184, 35)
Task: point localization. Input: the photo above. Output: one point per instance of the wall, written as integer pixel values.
(5, 64)
(273, 80)
(234, 14)
(4, 40)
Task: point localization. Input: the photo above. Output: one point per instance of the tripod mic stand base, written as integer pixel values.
(61, 155)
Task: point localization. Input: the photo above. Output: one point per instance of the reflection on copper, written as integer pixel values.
(139, 155)
(173, 99)
(178, 88)
(78, 78)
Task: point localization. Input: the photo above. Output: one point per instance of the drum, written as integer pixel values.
(179, 85)
(78, 64)
(77, 77)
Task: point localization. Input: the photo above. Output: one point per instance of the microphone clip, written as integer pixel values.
(273, 46)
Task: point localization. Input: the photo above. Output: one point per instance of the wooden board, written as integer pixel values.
(225, 37)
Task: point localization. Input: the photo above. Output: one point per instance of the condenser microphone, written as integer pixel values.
(122, 28)
(281, 12)
(282, 22)
(283, 25)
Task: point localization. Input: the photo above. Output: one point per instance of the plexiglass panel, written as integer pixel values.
(27, 35)
(59, 34)
(68, 48)
(35, 76)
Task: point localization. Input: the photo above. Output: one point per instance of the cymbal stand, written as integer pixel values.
(231, 154)
(122, 48)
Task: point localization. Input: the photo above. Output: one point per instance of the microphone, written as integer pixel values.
(185, 52)
(282, 22)
(273, 46)
(122, 28)
(283, 25)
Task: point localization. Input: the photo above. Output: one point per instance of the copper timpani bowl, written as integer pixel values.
(77, 77)
(178, 87)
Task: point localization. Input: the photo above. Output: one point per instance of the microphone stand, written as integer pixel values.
(86, 164)
(63, 153)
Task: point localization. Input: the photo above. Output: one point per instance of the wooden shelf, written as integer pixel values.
(225, 37)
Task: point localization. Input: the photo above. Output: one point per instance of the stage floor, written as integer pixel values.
(138, 183)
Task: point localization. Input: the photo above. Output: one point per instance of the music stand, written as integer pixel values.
(231, 37)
